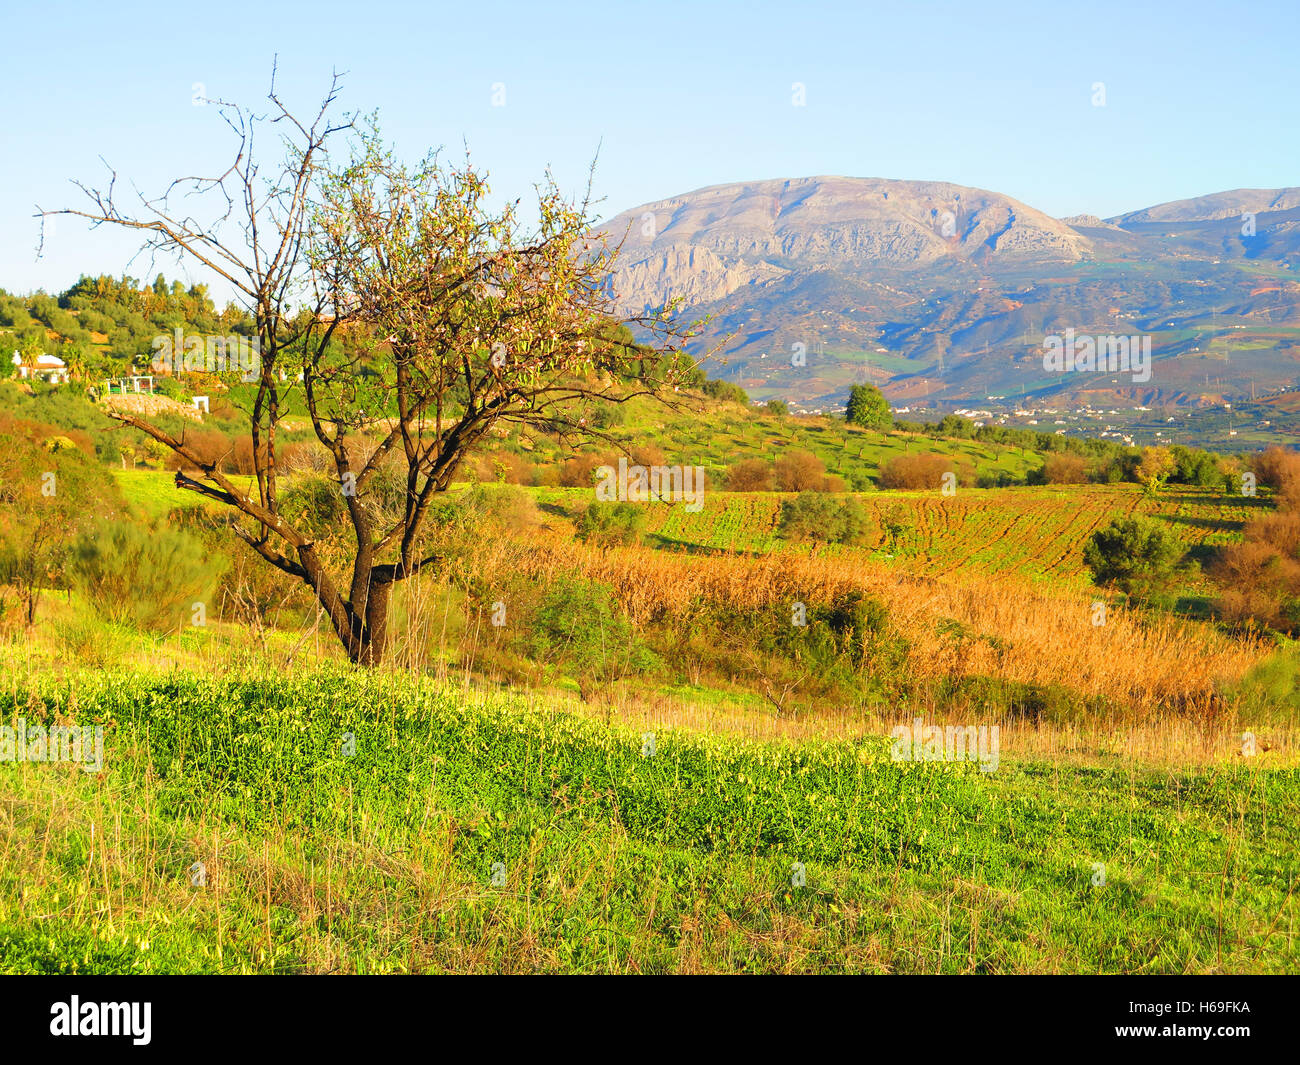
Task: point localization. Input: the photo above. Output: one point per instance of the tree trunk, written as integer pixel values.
(365, 638)
(364, 633)
(372, 647)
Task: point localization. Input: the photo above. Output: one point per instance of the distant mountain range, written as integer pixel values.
(945, 293)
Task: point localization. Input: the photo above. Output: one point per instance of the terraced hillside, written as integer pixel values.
(718, 435)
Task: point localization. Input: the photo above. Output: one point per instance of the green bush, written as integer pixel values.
(1270, 689)
(608, 415)
(578, 627)
(820, 516)
(146, 577)
(726, 392)
(606, 524)
(170, 388)
(844, 648)
(1135, 555)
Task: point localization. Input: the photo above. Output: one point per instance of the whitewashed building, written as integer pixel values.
(49, 368)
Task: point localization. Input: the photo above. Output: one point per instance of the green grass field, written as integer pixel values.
(152, 493)
(232, 831)
(716, 435)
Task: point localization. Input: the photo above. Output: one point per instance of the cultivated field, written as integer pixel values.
(1030, 532)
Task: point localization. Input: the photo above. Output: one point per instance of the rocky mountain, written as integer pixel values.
(706, 244)
(945, 293)
(1218, 205)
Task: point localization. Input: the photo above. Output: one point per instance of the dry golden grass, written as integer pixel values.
(1162, 674)
(1164, 740)
(1019, 633)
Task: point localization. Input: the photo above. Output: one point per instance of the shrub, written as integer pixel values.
(751, 475)
(854, 522)
(818, 516)
(93, 643)
(1279, 469)
(1061, 468)
(800, 471)
(148, 577)
(580, 471)
(497, 467)
(578, 627)
(607, 524)
(608, 415)
(1268, 685)
(504, 506)
(1195, 467)
(156, 451)
(914, 471)
(808, 516)
(212, 446)
(1260, 577)
(847, 640)
(726, 392)
(647, 455)
(242, 456)
(171, 388)
(307, 456)
(996, 479)
(1132, 554)
(36, 528)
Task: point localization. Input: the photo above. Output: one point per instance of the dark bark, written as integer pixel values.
(374, 644)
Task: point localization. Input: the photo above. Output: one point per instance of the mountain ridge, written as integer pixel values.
(944, 290)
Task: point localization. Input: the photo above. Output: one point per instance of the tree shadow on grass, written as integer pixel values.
(686, 547)
(1212, 524)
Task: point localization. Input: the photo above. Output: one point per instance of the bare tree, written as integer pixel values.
(423, 320)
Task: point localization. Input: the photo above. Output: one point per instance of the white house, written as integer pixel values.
(49, 368)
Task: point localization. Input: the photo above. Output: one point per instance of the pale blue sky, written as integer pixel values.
(1200, 97)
